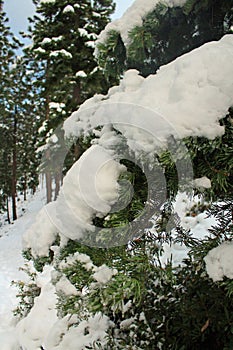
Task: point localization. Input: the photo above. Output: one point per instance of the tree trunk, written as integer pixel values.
(77, 151)
(76, 96)
(218, 15)
(14, 168)
(25, 188)
(48, 175)
(8, 212)
(57, 184)
(48, 178)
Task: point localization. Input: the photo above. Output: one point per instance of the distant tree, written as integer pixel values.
(64, 34)
(8, 44)
(25, 104)
(19, 129)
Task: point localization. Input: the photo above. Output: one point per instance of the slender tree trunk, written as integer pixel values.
(7, 170)
(48, 175)
(76, 95)
(77, 101)
(34, 189)
(25, 188)
(14, 168)
(218, 19)
(57, 184)
(7, 209)
(48, 178)
(77, 151)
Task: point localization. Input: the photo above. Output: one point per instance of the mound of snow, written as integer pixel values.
(219, 262)
(89, 189)
(187, 97)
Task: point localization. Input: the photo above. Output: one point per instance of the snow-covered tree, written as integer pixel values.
(64, 35)
(135, 277)
(19, 131)
(159, 33)
(8, 45)
(25, 101)
(6, 57)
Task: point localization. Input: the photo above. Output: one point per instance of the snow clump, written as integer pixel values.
(219, 262)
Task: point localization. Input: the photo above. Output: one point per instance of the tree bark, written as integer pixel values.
(76, 95)
(48, 175)
(14, 168)
(57, 184)
(25, 188)
(8, 212)
(48, 178)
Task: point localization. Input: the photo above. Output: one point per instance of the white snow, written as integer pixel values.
(79, 337)
(52, 139)
(68, 9)
(42, 233)
(94, 70)
(64, 286)
(96, 14)
(92, 36)
(47, 1)
(127, 323)
(133, 17)
(187, 97)
(173, 253)
(62, 52)
(83, 32)
(82, 258)
(219, 262)
(43, 127)
(3, 126)
(89, 189)
(39, 50)
(202, 183)
(57, 38)
(81, 74)
(43, 315)
(57, 106)
(197, 223)
(46, 41)
(91, 44)
(103, 274)
(10, 261)
(42, 325)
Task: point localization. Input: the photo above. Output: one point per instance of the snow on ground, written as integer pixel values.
(11, 260)
(31, 333)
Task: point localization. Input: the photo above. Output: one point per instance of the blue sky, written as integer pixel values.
(19, 10)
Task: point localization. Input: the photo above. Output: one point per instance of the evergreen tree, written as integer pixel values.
(64, 34)
(8, 159)
(18, 120)
(155, 306)
(20, 131)
(24, 95)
